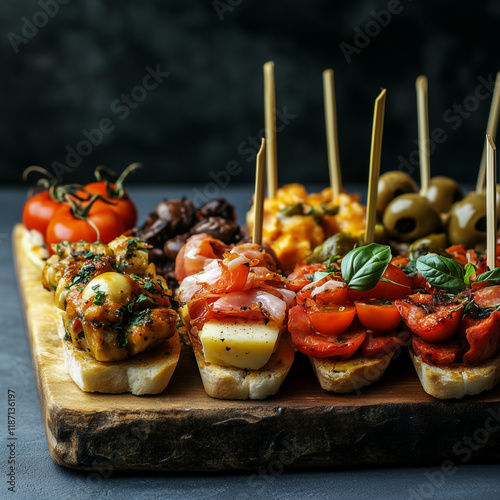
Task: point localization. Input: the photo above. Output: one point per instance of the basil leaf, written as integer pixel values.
(363, 267)
(492, 276)
(469, 270)
(441, 272)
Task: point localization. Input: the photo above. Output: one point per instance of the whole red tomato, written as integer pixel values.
(65, 226)
(39, 210)
(120, 201)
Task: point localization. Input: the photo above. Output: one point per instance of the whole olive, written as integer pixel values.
(338, 244)
(216, 208)
(409, 217)
(173, 245)
(432, 243)
(467, 222)
(179, 215)
(391, 185)
(443, 192)
(219, 228)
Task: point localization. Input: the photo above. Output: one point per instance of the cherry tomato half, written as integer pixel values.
(332, 319)
(375, 315)
(384, 290)
(66, 227)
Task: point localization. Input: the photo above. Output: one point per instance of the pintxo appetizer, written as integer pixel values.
(344, 318)
(234, 308)
(456, 342)
(117, 324)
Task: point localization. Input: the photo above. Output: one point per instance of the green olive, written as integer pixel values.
(338, 244)
(467, 222)
(443, 192)
(409, 217)
(432, 243)
(391, 185)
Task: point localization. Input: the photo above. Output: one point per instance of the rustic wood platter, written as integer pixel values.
(392, 422)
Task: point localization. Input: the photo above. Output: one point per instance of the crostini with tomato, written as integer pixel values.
(234, 305)
(456, 328)
(344, 318)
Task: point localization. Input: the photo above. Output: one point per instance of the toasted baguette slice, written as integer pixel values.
(456, 381)
(146, 373)
(228, 382)
(349, 375)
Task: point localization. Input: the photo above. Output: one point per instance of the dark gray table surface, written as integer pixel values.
(37, 476)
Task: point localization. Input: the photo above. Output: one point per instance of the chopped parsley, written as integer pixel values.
(99, 298)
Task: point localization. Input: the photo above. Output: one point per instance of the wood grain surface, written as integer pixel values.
(391, 422)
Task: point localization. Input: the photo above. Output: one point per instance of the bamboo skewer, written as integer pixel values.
(332, 140)
(423, 133)
(491, 205)
(491, 130)
(375, 155)
(260, 187)
(270, 125)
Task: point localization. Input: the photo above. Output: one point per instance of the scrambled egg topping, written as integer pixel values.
(294, 222)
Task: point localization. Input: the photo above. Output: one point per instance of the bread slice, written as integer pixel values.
(457, 380)
(349, 375)
(147, 373)
(230, 382)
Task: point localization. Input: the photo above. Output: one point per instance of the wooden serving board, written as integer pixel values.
(392, 422)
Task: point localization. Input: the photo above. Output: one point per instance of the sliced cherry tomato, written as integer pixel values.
(39, 210)
(384, 290)
(434, 317)
(437, 354)
(378, 344)
(66, 227)
(376, 315)
(307, 341)
(483, 337)
(332, 319)
(122, 205)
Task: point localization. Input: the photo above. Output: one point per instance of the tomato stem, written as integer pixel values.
(114, 189)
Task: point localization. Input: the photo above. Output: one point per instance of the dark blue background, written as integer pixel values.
(69, 74)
